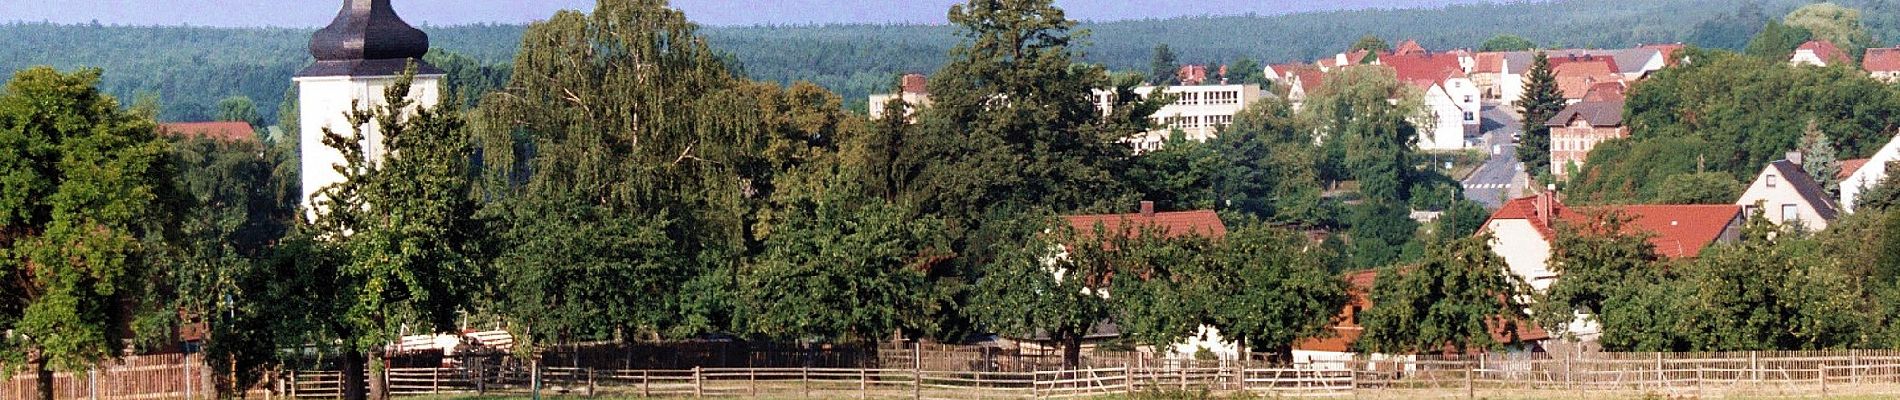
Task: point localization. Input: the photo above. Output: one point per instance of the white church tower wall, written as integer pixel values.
(361, 53)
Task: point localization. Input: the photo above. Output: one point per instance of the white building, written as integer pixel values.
(1451, 97)
(914, 91)
(1868, 175)
(1198, 111)
(1785, 194)
(359, 55)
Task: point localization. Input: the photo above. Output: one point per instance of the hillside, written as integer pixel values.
(191, 68)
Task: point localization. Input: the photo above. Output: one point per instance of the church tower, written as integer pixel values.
(358, 56)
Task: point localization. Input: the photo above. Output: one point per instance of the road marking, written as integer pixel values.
(1482, 186)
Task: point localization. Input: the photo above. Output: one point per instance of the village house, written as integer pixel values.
(1882, 64)
(914, 90)
(1486, 69)
(1579, 128)
(1819, 53)
(1449, 95)
(1864, 174)
(1301, 84)
(1576, 76)
(1784, 193)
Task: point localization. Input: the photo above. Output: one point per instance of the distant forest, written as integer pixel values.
(190, 69)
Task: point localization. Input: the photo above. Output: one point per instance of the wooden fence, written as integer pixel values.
(171, 376)
(1754, 375)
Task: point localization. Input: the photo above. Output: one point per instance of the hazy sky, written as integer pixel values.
(313, 13)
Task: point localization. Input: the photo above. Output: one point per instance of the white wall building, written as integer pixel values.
(361, 53)
(1785, 194)
(1633, 64)
(1868, 175)
(1198, 111)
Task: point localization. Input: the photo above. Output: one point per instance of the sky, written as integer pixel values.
(316, 13)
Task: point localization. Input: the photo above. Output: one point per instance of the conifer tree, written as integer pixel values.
(1542, 101)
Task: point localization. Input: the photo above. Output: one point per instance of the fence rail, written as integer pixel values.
(1716, 375)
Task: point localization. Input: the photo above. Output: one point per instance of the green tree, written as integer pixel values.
(239, 109)
(1450, 303)
(397, 238)
(842, 266)
(1270, 166)
(1182, 175)
(1599, 259)
(1165, 68)
(1833, 23)
(1542, 101)
(1379, 230)
(1730, 31)
(1699, 188)
(1052, 284)
(1507, 42)
(1777, 41)
(1277, 290)
(1367, 115)
(1246, 71)
(1371, 44)
(86, 214)
(1820, 159)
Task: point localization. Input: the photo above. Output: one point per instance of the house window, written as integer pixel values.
(1470, 116)
(1771, 181)
(1790, 213)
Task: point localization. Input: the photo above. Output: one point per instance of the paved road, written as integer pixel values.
(1491, 182)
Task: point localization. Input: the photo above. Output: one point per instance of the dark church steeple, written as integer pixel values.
(367, 39)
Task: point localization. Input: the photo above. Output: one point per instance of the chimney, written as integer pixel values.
(1148, 209)
(1795, 157)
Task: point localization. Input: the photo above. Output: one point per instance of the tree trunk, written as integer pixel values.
(1071, 351)
(378, 371)
(353, 378)
(44, 373)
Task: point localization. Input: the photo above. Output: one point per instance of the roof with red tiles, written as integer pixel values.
(1881, 60)
(1826, 50)
(916, 84)
(1310, 80)
(1424, 70)
(1410, 47)
(1490, 62)
(1173, 224)
(1576, 78)
(1607, 91)
(222, 131)
(1849, 167)
(1677, 231)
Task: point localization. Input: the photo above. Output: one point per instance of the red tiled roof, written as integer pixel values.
(1849, 167)
(1410, 47)
(1310, 80)
(222, 131)
(1192, 74)
(1607, 91)
(1881, 60)
(1557, 61)
(1173, 224)
(1424, 70)
(1488, 63)
(1826, 50)
(1677, 231)
(916, 84)
(1576, 78)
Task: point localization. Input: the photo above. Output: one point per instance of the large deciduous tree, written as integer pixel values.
(86, 212)
(1054, 285)
(396, 243)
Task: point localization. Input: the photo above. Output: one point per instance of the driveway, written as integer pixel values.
(1490, 183)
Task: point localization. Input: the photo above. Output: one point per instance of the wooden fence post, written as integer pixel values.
(293, 384)
(917, 370)
(187, 375)
(435, 381)
(752, 381)
(864, 384)
(590, 382)
(804, 381)
(1698, 382)
(481, 384)
(534, 377)
(1128, 380)
(699, 383)
(1660, 381)
(646, 383)
(1823, 381)
(1471, 387)
(1754, 365)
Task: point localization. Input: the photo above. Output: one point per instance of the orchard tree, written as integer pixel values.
(395, 243)
(1450, 303)
(1054, 283)
(1542, 101)
(87, 212)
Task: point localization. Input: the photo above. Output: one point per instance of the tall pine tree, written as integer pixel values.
(1542, 101)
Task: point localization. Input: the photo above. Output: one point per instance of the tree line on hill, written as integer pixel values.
(191, 69)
